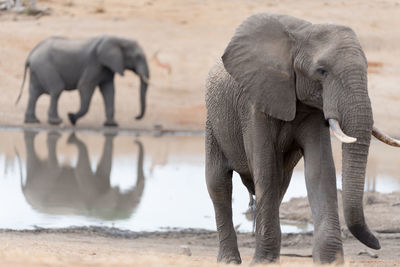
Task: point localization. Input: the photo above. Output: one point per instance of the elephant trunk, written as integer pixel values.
(143, 72)
(357, 122)
(346, 100)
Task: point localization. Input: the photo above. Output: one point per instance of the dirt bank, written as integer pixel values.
(103, 246)
(186, 37)
(113, 247)
(381, 211)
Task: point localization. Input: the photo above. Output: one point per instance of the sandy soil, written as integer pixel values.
(113, 247)
(187, 36)
(182, 39)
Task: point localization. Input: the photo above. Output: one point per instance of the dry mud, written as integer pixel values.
(88, 246)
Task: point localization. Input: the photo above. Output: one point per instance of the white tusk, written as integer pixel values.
(145, 79)
(337, 131)
(384, 137)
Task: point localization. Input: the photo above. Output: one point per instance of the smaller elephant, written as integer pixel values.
(58, 64)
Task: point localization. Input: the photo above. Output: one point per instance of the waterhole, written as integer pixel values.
(141, 182)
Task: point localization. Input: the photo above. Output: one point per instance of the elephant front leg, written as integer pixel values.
(321, 188)
(219, 185)
(34, 93)
(85, 93)
(107, 90)
(266, 163)
(268, 232)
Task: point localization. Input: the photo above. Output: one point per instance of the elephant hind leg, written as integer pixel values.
(34, 92)
(52, 83)
(107, 91)
(291, 158)
(30, 116)
(247, 180)
(53, 110)
(219, 185)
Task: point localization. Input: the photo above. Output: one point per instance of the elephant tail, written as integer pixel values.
(23, 82)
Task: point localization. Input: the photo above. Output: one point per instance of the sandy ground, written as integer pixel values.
(187, 36)
(112, 247)
(182, 39)
(379, 210)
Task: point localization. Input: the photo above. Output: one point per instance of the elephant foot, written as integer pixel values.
(72, 118)
(232, 257)
(267, 253)
(111, 124)
(257, 261)
(328, 246)
(54, 121)
(31, 119)
(230, 260)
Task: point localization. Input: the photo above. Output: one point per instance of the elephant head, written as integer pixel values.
(119, 54)
(279, 60)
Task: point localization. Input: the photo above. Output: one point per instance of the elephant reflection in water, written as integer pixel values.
(55, 189)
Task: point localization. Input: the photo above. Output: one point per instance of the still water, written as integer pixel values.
(141, 183)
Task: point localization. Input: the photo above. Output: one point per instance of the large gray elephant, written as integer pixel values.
(58, 64)
(280, 83)
(52, 188)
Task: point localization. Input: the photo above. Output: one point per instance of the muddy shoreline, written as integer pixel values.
(103, 130)
(197, 247)
(89, 245)
(189, 38)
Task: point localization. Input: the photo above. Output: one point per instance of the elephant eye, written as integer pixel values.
(321, 71)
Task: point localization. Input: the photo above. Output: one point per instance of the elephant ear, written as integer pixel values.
(110, 55)
(259, 58)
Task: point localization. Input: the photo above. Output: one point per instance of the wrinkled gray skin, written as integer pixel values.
(268, 102)
(55, 189)
(58, 64)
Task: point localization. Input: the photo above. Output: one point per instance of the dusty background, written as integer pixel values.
(187, 36)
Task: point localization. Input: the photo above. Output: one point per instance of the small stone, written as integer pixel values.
(185, 250)
(369, 253)
(371, 200)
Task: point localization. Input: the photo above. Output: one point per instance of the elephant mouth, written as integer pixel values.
(376, 132)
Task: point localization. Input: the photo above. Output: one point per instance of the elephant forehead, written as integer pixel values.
(279, 70)
(337, 54)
